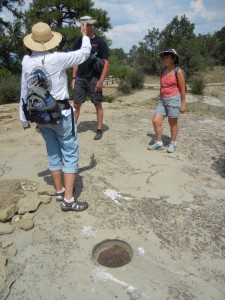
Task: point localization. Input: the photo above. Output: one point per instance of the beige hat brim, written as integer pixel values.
(35, 46)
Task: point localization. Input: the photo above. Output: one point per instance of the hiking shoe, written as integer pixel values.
(98, 135)
(171, 148)
(60, 196)
(73, 206)
(155, 146)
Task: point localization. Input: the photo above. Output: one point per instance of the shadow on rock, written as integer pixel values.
(92, 164)
(219, 164)
(165, 138)
(90, 125)
(79, 179)
(46, 176)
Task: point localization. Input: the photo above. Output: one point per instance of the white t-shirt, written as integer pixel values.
(50, 69)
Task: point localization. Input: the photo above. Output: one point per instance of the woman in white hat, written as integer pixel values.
(49, 68)
(172, 99)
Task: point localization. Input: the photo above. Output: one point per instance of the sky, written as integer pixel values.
(131, 19)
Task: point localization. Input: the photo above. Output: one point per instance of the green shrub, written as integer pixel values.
(9, 89)
(124, 87)
(4, 72)
(108, 99)
(118, 70)
(136, 78)
(197, 85)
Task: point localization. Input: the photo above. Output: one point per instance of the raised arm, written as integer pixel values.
(73, 58)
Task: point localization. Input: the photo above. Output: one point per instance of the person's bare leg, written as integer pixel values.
(57, 179)
(77, 107)
(69, 180)
(173, 128)
(157, 123)
(99, 113)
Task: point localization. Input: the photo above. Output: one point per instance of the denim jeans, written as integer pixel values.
(62, 147)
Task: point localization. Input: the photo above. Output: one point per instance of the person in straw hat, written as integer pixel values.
(86, 78)
(49, 67)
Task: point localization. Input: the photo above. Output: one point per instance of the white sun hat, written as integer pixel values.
(89, 20)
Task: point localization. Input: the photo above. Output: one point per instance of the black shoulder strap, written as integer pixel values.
(176, 71)
(163, 70)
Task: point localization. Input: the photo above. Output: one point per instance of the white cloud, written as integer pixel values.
(132, 19)
(5, 14)
(125, 36)
(199, 9)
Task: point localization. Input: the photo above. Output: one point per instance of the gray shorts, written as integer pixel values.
(169, 107)
(84, 87)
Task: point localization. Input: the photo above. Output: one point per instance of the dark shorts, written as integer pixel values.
(84, 87)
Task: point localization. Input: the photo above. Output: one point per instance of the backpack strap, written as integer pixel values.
(176, 71)
(64, 104)
(25, 110)
(72, 116)
(163, 71)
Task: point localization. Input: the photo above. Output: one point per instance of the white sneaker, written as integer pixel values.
(155, 146)
(172, 147)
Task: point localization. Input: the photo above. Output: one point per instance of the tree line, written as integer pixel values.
(197, 52)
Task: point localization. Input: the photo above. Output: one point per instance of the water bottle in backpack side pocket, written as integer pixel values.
(41, 116)
(53, 109)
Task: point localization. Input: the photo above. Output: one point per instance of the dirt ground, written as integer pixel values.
(170, 208)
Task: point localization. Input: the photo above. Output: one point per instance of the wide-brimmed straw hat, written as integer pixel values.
(170, 51)
(89, 20)
(42, 38)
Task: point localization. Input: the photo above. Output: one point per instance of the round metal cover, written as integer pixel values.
(112, 253)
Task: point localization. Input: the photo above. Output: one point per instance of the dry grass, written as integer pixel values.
(204, 109)
(150, 79)
(214, 75)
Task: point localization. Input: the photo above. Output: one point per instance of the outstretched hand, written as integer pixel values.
(83, 28)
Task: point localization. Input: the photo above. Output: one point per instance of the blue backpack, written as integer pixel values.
(176, 70)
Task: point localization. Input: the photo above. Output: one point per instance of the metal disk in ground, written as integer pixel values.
(112, 253)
